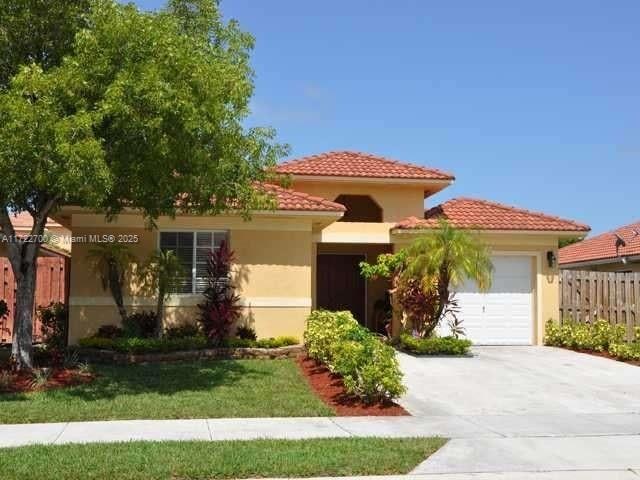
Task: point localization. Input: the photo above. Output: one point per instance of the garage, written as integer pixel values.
(504, 314)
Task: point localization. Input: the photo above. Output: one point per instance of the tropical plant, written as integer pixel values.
(106, 107)
(6, 380)
(444, 259)
(40, 377)
(109, 331)
(246, 333)
(54, 320)
(142, 324)
(424, 273)
(221, 307)
(111, 262)
(160, 276)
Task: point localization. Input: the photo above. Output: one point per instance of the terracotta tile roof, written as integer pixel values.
(603, 246)
(288, 199)
(485, 215)
(358, 164)
(24, 221)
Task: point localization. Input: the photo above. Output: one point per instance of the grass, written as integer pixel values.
(206, 460)
(201, 389)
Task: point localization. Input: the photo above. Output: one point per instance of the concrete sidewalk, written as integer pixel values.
(568, 475)
(454, 427)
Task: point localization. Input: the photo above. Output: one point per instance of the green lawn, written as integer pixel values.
(206, 460)
(202, 389)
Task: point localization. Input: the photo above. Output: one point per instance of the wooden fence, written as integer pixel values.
(52, 285)
(586, 296)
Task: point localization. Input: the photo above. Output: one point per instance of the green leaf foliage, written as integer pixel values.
(597, 336)
(369, 368)
(434, 345)
(145, 109)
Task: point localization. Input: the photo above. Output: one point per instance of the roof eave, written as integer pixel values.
(386, 180)
(559, 233)
(600, 261)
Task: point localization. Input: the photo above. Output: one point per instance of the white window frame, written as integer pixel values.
(193, 255)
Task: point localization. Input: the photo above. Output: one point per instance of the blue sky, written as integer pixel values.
(535, 104)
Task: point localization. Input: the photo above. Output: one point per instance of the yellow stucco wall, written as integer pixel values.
(272, 272)
(397, 201)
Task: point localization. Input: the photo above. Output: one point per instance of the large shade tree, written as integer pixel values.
(115, 108)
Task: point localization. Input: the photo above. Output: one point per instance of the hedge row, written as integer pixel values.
(137, 345)
(369, 367)
(599, 336)
(434, 345)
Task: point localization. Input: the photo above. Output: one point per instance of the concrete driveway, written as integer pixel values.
(520, 381)
(534, 409)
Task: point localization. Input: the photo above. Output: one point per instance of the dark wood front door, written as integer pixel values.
(340, 285)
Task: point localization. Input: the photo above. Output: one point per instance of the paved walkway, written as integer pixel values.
(471, 429)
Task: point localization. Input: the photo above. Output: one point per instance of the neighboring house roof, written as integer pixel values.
(288, 199)
(24, 221)
(484, 215)
(603, 246)
(358, 164)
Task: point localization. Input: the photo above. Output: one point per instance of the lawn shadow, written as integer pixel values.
(162, 378)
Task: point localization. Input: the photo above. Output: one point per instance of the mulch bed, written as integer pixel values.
(60, 378)
(605, 355)
(330, 389)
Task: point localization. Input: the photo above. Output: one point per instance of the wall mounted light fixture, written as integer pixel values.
(551, 258)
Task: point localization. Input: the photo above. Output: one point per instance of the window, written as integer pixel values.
(192, 249)
(360, 208)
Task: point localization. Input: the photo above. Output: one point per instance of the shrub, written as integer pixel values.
(6, 380)
(54, 320)
(145, 345)
(184, 330)
(221, 307)
(109, 331)
(597, 336)
(625, 351)
(262, 343)
(369, 368)
(434, 345)
(140, 324)
(246, 333)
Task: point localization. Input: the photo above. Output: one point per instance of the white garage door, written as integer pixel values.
(503, 315)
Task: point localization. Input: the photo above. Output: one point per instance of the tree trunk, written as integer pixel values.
(23, 256)
(115, 285)
(159, 313)
(22, 341)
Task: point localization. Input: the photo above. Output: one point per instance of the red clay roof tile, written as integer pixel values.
(358, 164)
(603, 246)
(288, 199)
(485, 215)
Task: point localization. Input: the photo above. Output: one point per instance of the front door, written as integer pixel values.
(340, 285)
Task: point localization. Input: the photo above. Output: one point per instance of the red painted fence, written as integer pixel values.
(52, 286)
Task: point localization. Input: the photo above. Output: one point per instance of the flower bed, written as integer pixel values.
(368, 367)
(446, 346)
(138, 350)
(599, 337)
(42, 379)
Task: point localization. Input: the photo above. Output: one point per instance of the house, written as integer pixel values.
(614, 251)
(341, 208)
(53, 269)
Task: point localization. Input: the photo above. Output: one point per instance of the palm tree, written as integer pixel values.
(442, 260)
(111, 262)
(160, 275)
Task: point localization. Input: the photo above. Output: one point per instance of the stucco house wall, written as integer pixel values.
(272, 273)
